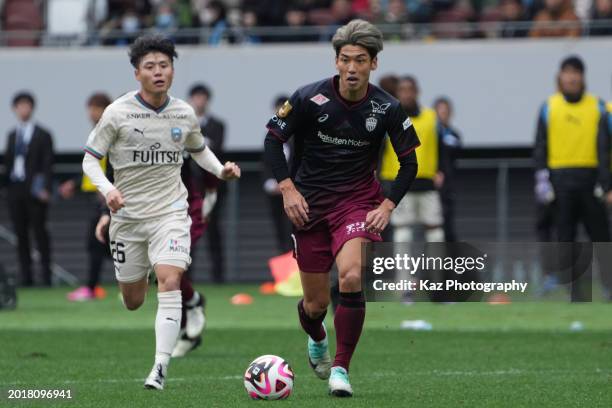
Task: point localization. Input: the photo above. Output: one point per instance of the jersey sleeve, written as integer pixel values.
(401, 132)
(102, 136)
(286, 120)
(194, 142)
(540, 151)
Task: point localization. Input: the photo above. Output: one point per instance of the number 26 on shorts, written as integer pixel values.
(117, 251)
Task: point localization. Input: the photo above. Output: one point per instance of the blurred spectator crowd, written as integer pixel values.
(117, 22)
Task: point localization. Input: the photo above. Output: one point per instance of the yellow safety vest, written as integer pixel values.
(426, 127)
(86, 185)
(572, 132)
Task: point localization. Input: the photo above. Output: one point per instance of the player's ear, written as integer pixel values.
(374, 64)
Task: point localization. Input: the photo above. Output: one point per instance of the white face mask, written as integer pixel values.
(165, 20)
(130, 24)
(207, 16)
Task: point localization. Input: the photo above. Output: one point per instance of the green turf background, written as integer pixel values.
(477, 355)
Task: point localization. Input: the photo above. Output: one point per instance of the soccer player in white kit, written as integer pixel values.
(144, 134)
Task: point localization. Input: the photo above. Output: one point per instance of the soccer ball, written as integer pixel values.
(268, 377)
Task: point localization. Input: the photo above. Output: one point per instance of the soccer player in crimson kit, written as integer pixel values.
(331, 195)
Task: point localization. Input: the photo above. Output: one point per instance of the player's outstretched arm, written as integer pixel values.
(207, 160)
(92, 168)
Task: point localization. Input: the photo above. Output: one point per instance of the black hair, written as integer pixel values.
(219, 7)
(573, 61)
(23, 96)
(200, 88)
(151, 43)
(410, 79)
(99, 99)
(445, 100)
(388, 83)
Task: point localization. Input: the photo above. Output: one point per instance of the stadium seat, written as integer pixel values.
(321, 16)
(443, 23)
(19, 16)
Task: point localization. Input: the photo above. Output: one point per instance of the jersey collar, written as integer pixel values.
(149, 106)
(344, 102)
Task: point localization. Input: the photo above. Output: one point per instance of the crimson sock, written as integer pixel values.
(186, 288)
(313, 327)
(186, 295)
(348, 321)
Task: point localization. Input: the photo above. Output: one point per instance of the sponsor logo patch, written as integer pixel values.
(355, 227)
(378, 108)
(153, 156)
(340, 141)
(320, 99)
(281, 123)
(175, 246)
(407, 123)
(323, 118)
(284, 110)
(138, 115)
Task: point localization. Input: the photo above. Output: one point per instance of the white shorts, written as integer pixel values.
(418, 208)
(137, 247)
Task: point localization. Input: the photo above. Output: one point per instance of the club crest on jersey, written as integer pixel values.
(378, 108)
(284, 110)
(320, 99)
(371, 123)
(176, 134)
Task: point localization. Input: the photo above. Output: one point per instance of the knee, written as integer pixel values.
(170, 282)
(350, 279)
(315, 307)
(133, 303)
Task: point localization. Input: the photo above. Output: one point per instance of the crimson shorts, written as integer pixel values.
(316, 249)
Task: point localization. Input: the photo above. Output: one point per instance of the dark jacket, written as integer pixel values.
(39, 157)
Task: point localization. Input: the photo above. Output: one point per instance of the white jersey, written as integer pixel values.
(145, 147)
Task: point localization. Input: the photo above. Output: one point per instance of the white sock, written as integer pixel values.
(167, 325)
(402, 234)
(434, 235)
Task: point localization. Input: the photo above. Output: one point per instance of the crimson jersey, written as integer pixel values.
(337, 143)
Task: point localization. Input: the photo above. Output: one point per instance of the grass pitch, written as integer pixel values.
(477, 355)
